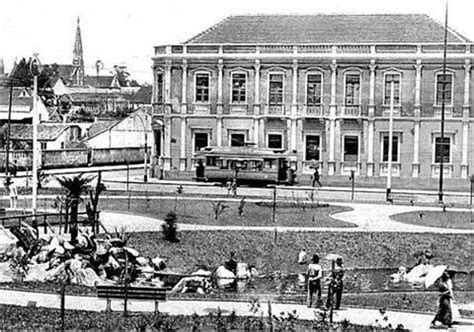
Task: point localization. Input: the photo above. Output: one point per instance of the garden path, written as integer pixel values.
(367, 217)
(412, 321)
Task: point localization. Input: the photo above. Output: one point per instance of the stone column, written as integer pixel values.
(370, 127)
(184, 105)
(167, 95)
(220, 67)
(261, 126)
(256, 133)
(256, 107)
(167, 144)
(416, 148)
(294, 106)
(332, 121)
(182, 155)
(465, 124)
(219, 131)
(417, 123)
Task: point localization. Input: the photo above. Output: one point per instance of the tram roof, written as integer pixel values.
(244, 152)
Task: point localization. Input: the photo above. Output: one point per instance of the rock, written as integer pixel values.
(224, 277)
(142, 261)
(158, 263)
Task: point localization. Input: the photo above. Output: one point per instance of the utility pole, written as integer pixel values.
(7, 157)
(390, 142)
(35, 148)
(443, 105)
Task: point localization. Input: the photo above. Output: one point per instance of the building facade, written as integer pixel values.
(323, 86)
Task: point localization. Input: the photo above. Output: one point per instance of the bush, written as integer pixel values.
(169, 228)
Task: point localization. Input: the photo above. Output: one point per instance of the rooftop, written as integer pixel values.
(46, 132)
(318, 29)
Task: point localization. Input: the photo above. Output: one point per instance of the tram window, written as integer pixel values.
(257, 165)
(269, 163)
(211, 161)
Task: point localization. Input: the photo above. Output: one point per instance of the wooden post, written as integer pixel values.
(128, 201)
(270, 316)
(353, 184)
(44, 224)
(156, 307)
(128, 176)
(274, 213)
(125, 303)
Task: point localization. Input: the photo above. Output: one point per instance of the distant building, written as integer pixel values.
(125, 133)
(22, 106)
(50, 136)
(320, 85)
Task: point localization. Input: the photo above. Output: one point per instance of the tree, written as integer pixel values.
(122, 75)
(75, 187)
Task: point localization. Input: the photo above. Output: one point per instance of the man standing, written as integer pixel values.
(336, 285)
(314, 276)
(316, 177)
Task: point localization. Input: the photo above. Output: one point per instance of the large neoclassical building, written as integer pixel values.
(320, 85)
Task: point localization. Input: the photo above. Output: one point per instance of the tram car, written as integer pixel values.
(247, 164)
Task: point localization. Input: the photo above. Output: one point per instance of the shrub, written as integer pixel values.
(170, 228)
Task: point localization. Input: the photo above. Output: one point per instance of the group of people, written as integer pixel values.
(231, 186)
(314, 279)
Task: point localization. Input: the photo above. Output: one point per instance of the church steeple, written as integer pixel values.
(78, 59)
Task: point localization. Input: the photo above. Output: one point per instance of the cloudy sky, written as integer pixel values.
(124, 31)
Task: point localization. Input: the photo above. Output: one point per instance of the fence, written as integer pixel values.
(75, 157)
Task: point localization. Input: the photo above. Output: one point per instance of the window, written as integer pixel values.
(385, 141)
(442, 148)
(159, 88)
(444, 83)
(389, 78)
(202, 87)
(352, 90)
(43, 145)
(276, 89)
(351, 148)
(312, 147)
(237, 139)
(313, 89)
(275, 141)
(239, 84)
(200, 141)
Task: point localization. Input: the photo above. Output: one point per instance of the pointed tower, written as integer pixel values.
(78, 59)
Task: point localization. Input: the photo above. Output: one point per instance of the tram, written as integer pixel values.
(247, 164)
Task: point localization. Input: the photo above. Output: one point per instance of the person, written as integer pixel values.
(444, 314)
(231, 264)
(234, 187)
(455, 315)
(12, 191)
(316, 178)
(200, 170)
(228, 186)
(14, 168)
(314, 276)
(336, 285)
(302, 257)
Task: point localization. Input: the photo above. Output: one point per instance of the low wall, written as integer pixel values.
(75, 157)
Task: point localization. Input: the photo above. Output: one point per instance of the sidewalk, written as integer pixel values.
(412, 321)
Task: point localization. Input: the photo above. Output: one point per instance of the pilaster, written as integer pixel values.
(182, 159)
(416, 148)
(256, 103)
(220, 69)
(418, 70)
(332, 121)
(219, 126)
(184, 105)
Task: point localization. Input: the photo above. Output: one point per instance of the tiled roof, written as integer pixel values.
(294, 29)
(16, 100)
(143, 96)
(46, 132)
(100, 127)
(100, 81)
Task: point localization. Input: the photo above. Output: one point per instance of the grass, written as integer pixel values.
(448, 219)
(202, 212)
(362, 250)
(31, 318)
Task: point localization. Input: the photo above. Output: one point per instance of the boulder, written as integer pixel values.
(158, 263)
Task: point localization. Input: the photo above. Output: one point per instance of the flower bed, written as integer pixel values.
(448, 219)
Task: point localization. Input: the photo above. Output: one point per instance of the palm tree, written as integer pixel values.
(75, 187)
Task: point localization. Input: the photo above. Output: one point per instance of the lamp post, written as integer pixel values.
(35, 122)
(145, 162)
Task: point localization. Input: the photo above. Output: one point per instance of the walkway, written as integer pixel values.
(415, 322)
(367, 217)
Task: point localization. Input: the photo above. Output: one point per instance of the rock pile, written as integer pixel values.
(27, 256)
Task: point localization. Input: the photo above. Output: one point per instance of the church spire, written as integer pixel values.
(78, 59)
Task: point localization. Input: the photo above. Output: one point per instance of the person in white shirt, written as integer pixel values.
(12, 191)
(314, 276)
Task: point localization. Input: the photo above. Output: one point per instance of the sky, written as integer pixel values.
(123, 32)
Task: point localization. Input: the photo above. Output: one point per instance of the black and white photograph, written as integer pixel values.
(237, 166)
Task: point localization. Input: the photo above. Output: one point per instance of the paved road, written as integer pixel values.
(415, 322)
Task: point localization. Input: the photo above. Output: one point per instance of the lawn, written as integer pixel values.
(360, 250)
(448, 219)
(202, 212)
(30, 318)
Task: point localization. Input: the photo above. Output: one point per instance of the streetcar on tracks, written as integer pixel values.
(247, 164)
